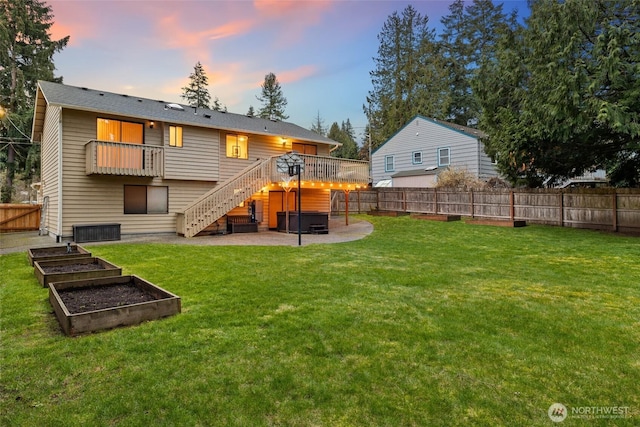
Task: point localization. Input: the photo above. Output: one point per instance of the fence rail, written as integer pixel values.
(16, 217)
(603, 209)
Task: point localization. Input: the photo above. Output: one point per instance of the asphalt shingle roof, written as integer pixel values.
(81, 98)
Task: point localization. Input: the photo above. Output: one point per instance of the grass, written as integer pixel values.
(420, 323)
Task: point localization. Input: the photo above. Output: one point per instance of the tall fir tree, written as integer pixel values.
(318, 125)
(343, 134)
(26, 56)
(409, 76)
(196, 93)
(273, 101)
(469, 40)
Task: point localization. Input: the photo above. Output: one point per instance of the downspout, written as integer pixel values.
(59, 235)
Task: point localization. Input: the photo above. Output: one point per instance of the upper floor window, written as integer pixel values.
(416, 157)
(175, 136)
(237, 146)
(119, 131)
(388, 164)
(444, 156)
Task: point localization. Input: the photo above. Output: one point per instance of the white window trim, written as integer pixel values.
(413, 158)
(449, 156)
(393, 163)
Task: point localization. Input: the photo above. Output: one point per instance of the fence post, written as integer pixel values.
(512, 209)
(471, 201)
(435, 200)
(614, 203)
(561, 208)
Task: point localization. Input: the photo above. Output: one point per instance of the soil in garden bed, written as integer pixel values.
(70, 268)
(80, 300)
(56, 250)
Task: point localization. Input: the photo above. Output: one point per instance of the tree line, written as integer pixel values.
(558, 94)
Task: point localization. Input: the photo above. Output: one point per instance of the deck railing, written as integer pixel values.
(331, 169)
(119, 158)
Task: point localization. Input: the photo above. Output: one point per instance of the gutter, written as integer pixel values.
(59, 235)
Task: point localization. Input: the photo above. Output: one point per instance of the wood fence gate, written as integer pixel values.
(15, 217)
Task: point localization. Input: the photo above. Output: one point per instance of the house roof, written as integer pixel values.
(472, 132)
(85, 99)
(416, 172)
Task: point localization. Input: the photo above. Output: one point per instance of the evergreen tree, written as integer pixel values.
(273, 101)
(318, 125)
(251, 112)
(563, 96)
(196, 93)
(409, 77)
(344, 134)
(468, 41)
(26, 56)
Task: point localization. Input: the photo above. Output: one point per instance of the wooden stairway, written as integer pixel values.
(223, 198)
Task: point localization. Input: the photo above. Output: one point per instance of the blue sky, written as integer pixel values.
(320, 51)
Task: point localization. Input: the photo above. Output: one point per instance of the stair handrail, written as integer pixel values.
(221, 199)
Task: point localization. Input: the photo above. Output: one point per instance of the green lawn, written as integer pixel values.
(421, 323)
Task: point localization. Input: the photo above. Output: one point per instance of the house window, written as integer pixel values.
(444, 156)
(119, 131)
(119, 155)
(388, 164)
(175, 136)
(416, 157)
(146, 199)
(237, 146)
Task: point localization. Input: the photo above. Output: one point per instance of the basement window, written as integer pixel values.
(146, 199)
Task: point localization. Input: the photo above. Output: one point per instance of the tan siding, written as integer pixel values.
(49, 178)
(197, 159)
(100, 199)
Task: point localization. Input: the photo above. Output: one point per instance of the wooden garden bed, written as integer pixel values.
(83, 306)
(438, 217)
(387, 213)
(73, 269)
(53, 253)
(498, 222)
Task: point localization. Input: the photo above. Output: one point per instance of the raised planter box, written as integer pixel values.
(73, 269)
(155, 303)
(387, 213)
(438, 217)
(53, 253)
(498, 222)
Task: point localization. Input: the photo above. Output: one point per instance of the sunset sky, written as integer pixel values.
(320, 51)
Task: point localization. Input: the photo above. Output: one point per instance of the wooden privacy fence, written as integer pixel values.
(603, 209)
(15, 217)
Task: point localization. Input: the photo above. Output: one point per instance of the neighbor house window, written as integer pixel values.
(237, 146)
(388, 164)
(175, 136)
(416, 157)
(444, 156)
(146, 199)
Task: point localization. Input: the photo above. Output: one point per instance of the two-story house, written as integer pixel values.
(415, 154)
(154, 166)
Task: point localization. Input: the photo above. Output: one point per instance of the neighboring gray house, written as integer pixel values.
(415, 155)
